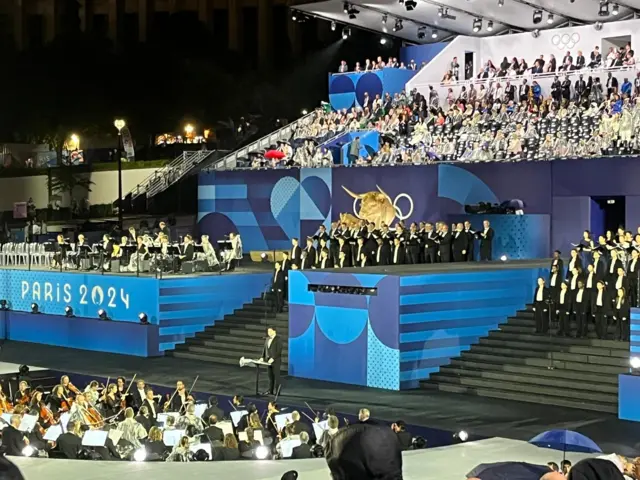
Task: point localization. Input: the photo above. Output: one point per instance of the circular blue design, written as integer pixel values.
(369, 83)
(341, 84)
(340, 101)
(337, 327)
(216, 225)
(381, 311)
(319, 193)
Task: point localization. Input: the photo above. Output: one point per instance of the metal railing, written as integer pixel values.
(166, 176)
(229, 162)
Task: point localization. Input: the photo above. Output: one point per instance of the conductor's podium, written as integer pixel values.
(391, 327)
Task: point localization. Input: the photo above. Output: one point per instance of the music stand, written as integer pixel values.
(249, 362)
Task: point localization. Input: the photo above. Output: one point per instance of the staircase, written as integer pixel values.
(240, 334)
(515, 364)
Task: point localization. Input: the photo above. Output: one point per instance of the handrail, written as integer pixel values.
(230, 161)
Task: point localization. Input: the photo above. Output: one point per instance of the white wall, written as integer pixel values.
(104, 190)
(524, 45)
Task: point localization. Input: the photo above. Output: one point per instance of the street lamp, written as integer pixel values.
(188, 129)
(119, 124)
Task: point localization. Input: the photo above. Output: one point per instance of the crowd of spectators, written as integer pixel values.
(378, 64)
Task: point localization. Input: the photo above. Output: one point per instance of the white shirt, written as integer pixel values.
(553, 279)
(612, 266)
(540, 294)
(619, 282)
(618, 302)
(563, 293)
(572, 264)
(378, 254)
(579, 295)
(142, 394)
(395, 254)
(324, 260)
(590, 280)
(599, 299)
(363, 262)
(574, 280)
(153, 410)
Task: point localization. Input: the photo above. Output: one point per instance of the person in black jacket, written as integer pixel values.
(580, 309)
(541, 307)
(296, 252)
(564, 310)
(303, 450)
(382, 254)
(633, 270)
(272, 353)
(621, 313)
(213, 432)
(413, 245)
(574, 262)
(277, 287)
(430, 242)
(444, 244)
(557, 262)
(13, 440)
(460, 244)
(212, 409)
(486, 241)
(404, 437)
(397, 252)
(325, 260)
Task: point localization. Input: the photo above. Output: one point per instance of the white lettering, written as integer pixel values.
(36, 291)
(24, 287)
(111, 293)
(124, 296)
(83, 294)
(97, 295)
(67, 293)
(48, 292)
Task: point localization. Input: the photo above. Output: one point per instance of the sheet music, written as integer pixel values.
(52, 433)
(225, 426)
(257, 434)
(236, 415)
(115, 435)
(288, 444)
(28, 423)
(320, 427)
(200, 408)
(94, 438)
(281, 420)
(64, 419)
(172, 438)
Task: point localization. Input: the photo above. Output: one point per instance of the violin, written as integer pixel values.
(93, 417)
(5, 405)
(26, 398)
(47, 415)
(73, 388)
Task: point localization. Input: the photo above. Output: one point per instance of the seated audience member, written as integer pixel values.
(303, 450)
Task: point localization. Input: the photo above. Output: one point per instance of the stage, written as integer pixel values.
(427, 412)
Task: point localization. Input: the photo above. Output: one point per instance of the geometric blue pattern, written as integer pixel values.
(382, 363)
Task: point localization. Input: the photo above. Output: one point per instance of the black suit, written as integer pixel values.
(558, 263)
(153, 408)
(622, 317)
(564, 310)
(600, 312)
(460, 244)
(311, 259)
(13, 441)
(632, 276)
(541, 309)
(146, 422)
(217, 411)
(580, 311)
(137, 400)
(296, 255)
(277, 287)
(273, 351)
(444, 248)
(469, 257)
(397, 254)
(325, 263)
(576, 264)
(69, 445)
(301, 451)
(486, 243)
(382, 254)
(214, 433)
(430, 247)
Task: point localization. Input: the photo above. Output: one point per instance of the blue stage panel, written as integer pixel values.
(635, 331)
(628, 394)
(126, 338)
(123, 298)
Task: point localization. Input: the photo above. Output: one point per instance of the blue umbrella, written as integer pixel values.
(565, 440)
(508, 471)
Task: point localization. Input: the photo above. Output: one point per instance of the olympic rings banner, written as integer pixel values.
(123, 298)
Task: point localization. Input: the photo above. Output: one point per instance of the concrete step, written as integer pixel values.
(241, 318)
(510, 395)
(532, 379)
(582, 342)
(544, 346)
(220, 360)
(507, 353)
(244, 349)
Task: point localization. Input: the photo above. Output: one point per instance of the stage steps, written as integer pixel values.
(513, 363)
(240, 334)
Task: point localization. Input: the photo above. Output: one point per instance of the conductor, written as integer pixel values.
(271, 353)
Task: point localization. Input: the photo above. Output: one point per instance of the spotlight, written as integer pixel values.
(68, 311)
(3, 305)
(262, 452)
(550, 18)
(385, 29)
(434, 34)
(597, 26)
(398, 25)
(143, 318)
(345, 33)
(333, 26)
(635, 362)
(501, 3)
(604, 8)
(410, 5)
(304, 112)
(462, 436)
(140, 455)
(294, 16)
(383, 40)
(422, 32)
(477, 24)
(345, 7)
(615, 9)
(353, 11)
(34, 308)
(28, 451)
(490, 26)
(102, 314)
(440, 11)
(537, 16)
(503, 258)
(535, 33)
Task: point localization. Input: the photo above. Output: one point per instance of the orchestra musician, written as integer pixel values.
(22, 397)
(208, 252)
(81, 250)
(152, 405)
(235, 253)
(69, 390)
(13, 440)
(110, 401)
(57, 401)
(180, 398)
(141, 254)
(60, 248)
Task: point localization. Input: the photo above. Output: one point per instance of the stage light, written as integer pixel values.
(262, 452)
(28, 451)
(333, 26)
(440, 11)
(304, 111)
(346, 33)
(143, 318)
(597, 26)
(201, 455)
(140, 455)
(119, 124)
(550, 18)
(490, 26)
(434, 34)
(501, 3)
(462, 436)
(635, 362)
(345, 7)
(398, 25)
(422, 32)
(34, 308)
(503, 258)
(188, 129)
(68, 311)
(294, 15)
(383, 40)
(604, 8)
(102, 314)
(477, 24)
(615, 9)
(3, 305)
(410, 5)
(535, 33)
(537, 16)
